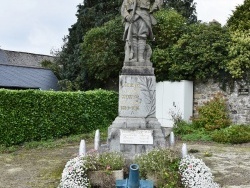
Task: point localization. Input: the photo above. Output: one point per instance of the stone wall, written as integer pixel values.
(238, 99)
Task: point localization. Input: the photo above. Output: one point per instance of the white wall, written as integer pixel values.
(174, 97)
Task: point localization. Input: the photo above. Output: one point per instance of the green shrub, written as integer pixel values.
(189, 132)
(162, 164)
(198, 135)
(213, 114)
(40, 115)
(235, 134)
(183, 128)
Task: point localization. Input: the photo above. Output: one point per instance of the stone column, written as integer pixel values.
(136, 129)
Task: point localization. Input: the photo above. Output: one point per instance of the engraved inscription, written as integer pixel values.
(136, 136)
(137, 96)
(130, 97)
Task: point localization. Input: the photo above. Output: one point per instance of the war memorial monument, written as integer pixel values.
(136, 129)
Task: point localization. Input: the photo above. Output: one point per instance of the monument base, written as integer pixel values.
(135, 135)
(136, 129)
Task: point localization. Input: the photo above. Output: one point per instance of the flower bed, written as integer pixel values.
(166, 165)
(79, 172)
(195, 174)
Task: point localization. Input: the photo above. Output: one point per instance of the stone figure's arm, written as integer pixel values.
(156, 6)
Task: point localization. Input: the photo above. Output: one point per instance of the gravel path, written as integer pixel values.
(230, 164)
(41, 168)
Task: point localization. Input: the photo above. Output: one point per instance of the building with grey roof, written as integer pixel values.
(21, 70)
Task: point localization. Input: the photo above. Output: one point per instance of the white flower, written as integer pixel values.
(75, 174)
(195, 174)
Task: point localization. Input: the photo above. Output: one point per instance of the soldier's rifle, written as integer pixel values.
(129, 39)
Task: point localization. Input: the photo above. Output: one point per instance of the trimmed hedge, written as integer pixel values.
(39, 115)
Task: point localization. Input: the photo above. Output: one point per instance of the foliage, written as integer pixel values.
(183, 127)
(103, 53)
(90, 14)
(239, 54)
(235, 134)
(239, 47)
(240, 20)
(163, 164)
(187, 8)
(52, 66)
(170, 26)
(39, 115)
(105, 161)
(195, 173)
(213, 114)
(189, 132)
(200, 53)
(198, 135)
(73, 70)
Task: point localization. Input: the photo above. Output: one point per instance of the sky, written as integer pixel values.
(39, 26)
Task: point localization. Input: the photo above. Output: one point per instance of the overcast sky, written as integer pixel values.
(37, 26)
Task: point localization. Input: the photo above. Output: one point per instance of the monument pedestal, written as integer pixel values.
(136, 129)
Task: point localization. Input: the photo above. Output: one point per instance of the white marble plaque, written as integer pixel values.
(136, 136)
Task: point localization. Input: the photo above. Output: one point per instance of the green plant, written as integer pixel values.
(235, 134)
(208, 154)
(213, 114)
(183, 128)
(33, 115)
(106, 161)
(162, 164)
(239, 54)
(190, 132)
(197, 135)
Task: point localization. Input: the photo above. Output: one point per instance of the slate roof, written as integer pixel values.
(19, 77)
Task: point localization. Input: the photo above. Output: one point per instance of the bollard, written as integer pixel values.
(82, 148)
(171, 139)
(184, 150)
(134, 181)
(97, 140)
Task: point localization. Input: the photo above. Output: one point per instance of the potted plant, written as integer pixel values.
(105, 168)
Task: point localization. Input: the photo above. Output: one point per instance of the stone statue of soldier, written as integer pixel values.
(138, 20)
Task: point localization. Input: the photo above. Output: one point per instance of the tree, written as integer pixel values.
(170, 27)
(239, 48)
(199, 54)
(240, 20)
(103, 53)
(92, 13)
(239, 54)
(187, 8)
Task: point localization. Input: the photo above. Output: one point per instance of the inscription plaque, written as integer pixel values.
(136, 96)
(136, 136)
(243, 91)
